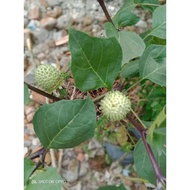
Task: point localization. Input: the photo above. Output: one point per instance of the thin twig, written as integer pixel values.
(102, 4)
(143, 132)
(41, 161)
(60, 160)
(42, 92)
(36, 154)
(73, 93)
(53, 160)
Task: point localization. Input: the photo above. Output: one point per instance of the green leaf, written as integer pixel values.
(157, 122)
(130, 69)
(127, 19)
(128, 6)
(152, 64)
(46, 180)
(26, 95)
(95, 62)
(28, 168)
(143, 165)
(158, 140)
(66, 123)
(149, 40)
(112, 187)
(132, 45)
(110, 30)
(150, 5)
(158, 23)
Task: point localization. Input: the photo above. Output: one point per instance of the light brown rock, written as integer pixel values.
(34, 13)
(48, 23)
(55, 13)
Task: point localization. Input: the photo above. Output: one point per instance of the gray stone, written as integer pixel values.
(40, 48)
(141, 24)
(34, 25)
(71, 174)
(83, 169)
(41, 35)
(53, 3)
(57, 35)
(41, 56)
(25, 22)
(64, 21)
(27, 143)
(78, 186)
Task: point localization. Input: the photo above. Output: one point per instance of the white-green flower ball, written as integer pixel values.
(48, 77)
(115, 105)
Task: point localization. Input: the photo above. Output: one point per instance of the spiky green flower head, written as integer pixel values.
(115, 105)
(48, 77)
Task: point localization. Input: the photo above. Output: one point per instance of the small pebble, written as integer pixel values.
(34, 12)
(48, 23)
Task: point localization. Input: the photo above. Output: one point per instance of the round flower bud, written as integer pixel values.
(48, 77)
(115, 105)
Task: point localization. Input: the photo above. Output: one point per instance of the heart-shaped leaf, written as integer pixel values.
(95, 62)
(66, 123)
(159, 22)
(128, 6)
(152, 64)
(132, 45)
(127, 19)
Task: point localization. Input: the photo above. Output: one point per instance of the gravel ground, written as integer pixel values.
(46, 24)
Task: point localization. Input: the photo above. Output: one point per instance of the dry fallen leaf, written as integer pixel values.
(121, 135)
(62, 40)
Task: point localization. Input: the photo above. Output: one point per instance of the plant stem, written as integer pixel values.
(42, 92)
(138, 118)
(142, 131)
(135, 84)
(36, 154)
(102, 4)
(41, 161)
(95, 100)
(148, 4)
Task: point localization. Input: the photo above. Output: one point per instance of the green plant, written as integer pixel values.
(110, 63)
(48, 77)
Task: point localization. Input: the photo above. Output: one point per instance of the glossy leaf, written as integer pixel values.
(152, 64)
(28, 168)
(127, 19)
(66, 123)
(47, 180)
(132, 45)
(95, 62)
(128, 6)
(143, 164)
(159, 22)
(130, 69)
